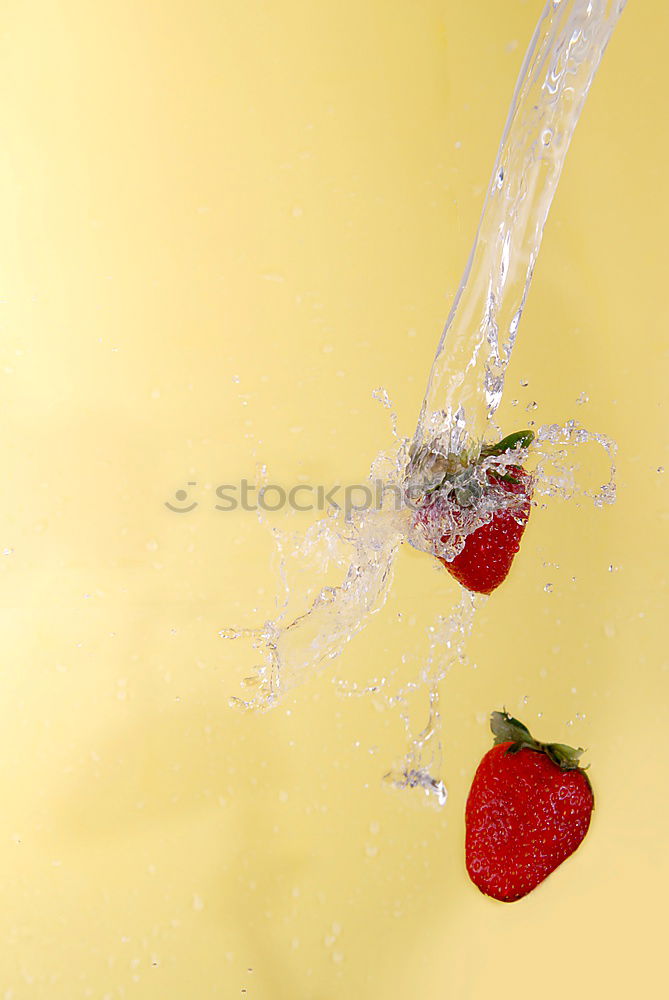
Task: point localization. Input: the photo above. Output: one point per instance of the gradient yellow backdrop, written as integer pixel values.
(223, 225)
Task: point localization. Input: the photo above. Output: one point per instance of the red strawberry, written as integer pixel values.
(485, 560)
(528, 809)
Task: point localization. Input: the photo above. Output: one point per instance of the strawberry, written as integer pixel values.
(528, 809)
(486, 558)
(484, 507)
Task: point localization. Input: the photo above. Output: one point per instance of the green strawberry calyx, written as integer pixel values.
(431, 470)
(522, 439)
(506, 729)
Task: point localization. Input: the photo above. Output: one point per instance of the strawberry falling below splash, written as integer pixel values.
(528, 810)
(314, 622)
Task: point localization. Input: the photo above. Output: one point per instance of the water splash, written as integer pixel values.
(362, 547)
(463, 393)
(421, 765)
(557, 471)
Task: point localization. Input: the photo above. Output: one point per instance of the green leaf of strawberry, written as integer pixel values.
(521, 439)
(528, 809)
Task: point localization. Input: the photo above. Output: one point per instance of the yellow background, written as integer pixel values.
(286, 192)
